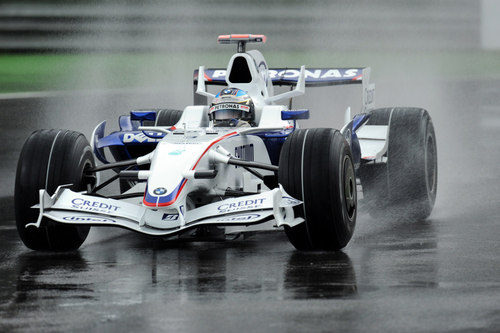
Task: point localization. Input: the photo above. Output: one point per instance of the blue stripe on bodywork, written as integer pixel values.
(125, 123)
(359, 120)
(114, 139)
(152, 199)
(273, 142)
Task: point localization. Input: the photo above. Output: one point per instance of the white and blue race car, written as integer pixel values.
(239, 164)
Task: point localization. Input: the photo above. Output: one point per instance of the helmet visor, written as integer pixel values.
(225, 111)
(226, 114)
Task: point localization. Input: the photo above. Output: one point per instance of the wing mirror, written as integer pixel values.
(142, 115)
(294, 114)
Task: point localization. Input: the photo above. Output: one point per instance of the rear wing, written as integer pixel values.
(315, 77)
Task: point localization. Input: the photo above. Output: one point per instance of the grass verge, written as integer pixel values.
(42, 72)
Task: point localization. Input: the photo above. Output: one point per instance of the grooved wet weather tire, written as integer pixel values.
(316, 167)
(50, 158)
(168, 117)
(405, 187)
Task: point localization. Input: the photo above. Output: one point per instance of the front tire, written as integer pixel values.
(50, 158)
(316, 167)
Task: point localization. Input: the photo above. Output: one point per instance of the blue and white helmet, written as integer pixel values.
(229, 104)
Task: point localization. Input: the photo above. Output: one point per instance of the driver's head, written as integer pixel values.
(232, 107)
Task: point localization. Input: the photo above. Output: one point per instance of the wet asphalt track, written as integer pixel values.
(439, 275)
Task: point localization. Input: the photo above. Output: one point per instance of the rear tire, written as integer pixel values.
(405, 187)
(168, 117)
(50, 158)
(316, 167)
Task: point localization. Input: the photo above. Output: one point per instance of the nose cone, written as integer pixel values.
(167, 166)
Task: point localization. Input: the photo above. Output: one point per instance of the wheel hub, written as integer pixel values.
(431, 165)
(349, 188)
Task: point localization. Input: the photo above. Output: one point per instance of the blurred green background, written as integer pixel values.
(40, 72)
(114, 44)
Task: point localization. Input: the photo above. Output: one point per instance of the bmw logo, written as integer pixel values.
(227, 91)
(160, 191)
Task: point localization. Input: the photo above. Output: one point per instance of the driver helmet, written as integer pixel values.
(232, 107)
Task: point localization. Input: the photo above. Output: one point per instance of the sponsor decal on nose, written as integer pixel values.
(160, 191)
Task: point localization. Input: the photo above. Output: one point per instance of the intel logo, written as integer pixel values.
(237, 218)
(90, 219)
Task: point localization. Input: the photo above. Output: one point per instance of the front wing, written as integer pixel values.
(66, 206)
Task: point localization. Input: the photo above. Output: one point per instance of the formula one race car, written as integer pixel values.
(239, 164)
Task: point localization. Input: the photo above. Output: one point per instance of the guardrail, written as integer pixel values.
(192, 25)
